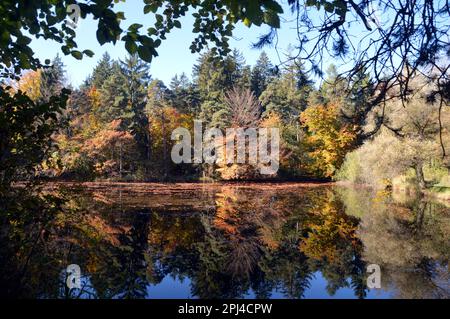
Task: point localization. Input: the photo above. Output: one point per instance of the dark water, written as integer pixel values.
(266, 241)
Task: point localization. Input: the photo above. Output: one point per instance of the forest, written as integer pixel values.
(117, 125)
(360, 97)
(382, 122)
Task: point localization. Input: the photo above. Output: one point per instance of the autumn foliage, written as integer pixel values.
(327, 139)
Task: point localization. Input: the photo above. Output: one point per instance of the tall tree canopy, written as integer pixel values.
(102, 71)
(262, 74)
(287, 95)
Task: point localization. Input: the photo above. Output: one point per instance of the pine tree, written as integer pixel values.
(358, 103)
(333, 89)
(262, 74)
(158, 96)
(102, 71)
(158, 101)
(288, 94)
(114, 97)
(245, 79)
(213, 77)
(209, 77)
(184, 95)
(52, 80)
(137, 77)
(78, 109)
(236, 72)
(179, 83)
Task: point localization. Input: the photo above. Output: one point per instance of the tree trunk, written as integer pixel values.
(419, 175)
(148, 148)
(164, 145)
(149, 145)
(120, 161)
(421, 207)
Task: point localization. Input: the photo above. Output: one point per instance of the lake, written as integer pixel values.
(288, 240)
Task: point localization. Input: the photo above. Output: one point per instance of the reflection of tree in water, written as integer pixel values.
(257, 242)
(274, 258)
(410, 243)
(249, 243)
(131, 274)
(332, 247)
(238, 220)
(25, 245)
(171, 242)
(42, 234)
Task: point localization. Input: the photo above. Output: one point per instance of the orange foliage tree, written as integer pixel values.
(112, 150)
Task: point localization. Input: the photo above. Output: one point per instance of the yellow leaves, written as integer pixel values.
(328, 139)
(169, 235)
(105, 167)
(95, 97)
(30, 84)
(328, 233)
(163, 121)
(273, 120)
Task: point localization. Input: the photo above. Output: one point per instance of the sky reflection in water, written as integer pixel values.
(224, 241)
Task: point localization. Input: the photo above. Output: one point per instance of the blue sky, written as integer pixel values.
(174, 54)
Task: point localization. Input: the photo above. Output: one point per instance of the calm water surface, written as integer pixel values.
(222, 241)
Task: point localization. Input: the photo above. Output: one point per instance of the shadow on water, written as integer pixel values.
(222, 242)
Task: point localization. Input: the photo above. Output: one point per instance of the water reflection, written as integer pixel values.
(222, 242)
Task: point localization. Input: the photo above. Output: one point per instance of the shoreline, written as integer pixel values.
(157, 187)
(183, 185)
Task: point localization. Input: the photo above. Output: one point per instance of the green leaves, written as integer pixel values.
(153, 7)
(89, 53)
(135, 27)
(274, 6)
(272, 19)
(131, 46)
(151, 31)
(213, 24)
(145, 53)
(258, 12)
(101, 37)
(25, 131)
(335, 6)
(328, 7)
(177, 24)
(77, 55)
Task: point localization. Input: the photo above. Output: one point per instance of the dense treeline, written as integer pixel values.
(118, 123)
